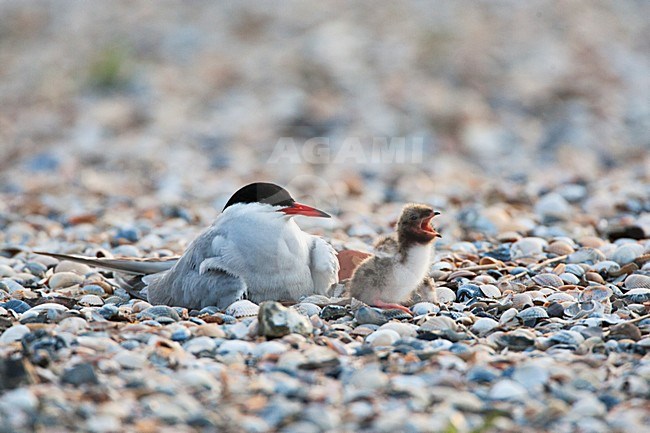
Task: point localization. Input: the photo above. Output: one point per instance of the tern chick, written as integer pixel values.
(387, 280)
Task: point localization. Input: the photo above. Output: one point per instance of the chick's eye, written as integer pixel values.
(414, 217)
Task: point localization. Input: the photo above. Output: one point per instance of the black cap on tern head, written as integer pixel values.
(274, 195)
(261, 192)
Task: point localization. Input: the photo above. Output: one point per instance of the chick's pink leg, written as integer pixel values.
(387, 306)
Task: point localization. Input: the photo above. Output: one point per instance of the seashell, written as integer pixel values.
(486, 260)
(642, 259)
(508, 315)
(484, 325)
(369, 315)
(595, 293)
(576, 269)
(560, 248)
(158, 312)
(571, 338)
(626, 253)
(439, 275)
(528, 247)
(625, 270)
(439, 323)
(517, 340)
(560, 297)
(637, 281)
(531, 315)
(559, 269)
(307, 308)
(586, 255)
(333, 312)
(382, 337)
(242, 308)
(490, 291)
(403, 329)
(62, 280)
(422, 308)
(461, 273)
(568, 278)
(512, 286)
(595, 277)
(316, 299)
(442, 266)
(638, 296)
(445, 295)
(547, 280)
(538, 296)
(396, 314)
(606, 266)
(555, 309)
(467, 292)
(522, 300)
(484, 279)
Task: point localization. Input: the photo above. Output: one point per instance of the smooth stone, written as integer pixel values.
(15, 333)
(528, 247)
(507, 389)
(369, 315)
(16, 305)
(93, 289)
(72, 325)
(382, 337)
(271, 347)
(181, 334)
(403, 329)
(130, 360)
(68, 266)
(627, 253)
(108, 311)
(531, 376)
(80, 374)
(159, 311)
(7, 271)
(62, 280)
(553, 206)
(91, 301)
(484, 325)
(235, 346)
(238, 331)
(422, 308)
(307, 309)
(35, 268)
(200, 345)
(275, 320)
(11, 286)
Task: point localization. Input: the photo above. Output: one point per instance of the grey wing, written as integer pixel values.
(369, 278)
(202, 277)
(323, 264)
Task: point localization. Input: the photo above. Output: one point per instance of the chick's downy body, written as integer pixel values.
(389, 279)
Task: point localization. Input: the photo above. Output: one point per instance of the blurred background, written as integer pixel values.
(125, 109)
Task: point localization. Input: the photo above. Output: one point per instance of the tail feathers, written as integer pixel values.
(133, 266)
(134, 285)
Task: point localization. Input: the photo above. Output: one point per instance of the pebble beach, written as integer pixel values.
(124, 128)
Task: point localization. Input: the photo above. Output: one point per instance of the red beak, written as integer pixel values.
(303, 209)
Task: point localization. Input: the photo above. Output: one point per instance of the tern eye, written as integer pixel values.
(414, 217)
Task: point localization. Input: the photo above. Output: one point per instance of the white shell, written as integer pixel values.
(242, 308)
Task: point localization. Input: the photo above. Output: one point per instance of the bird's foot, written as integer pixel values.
(389, 306)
